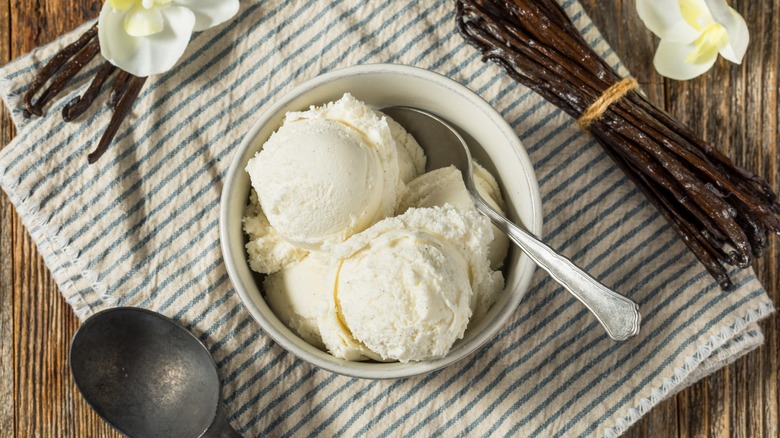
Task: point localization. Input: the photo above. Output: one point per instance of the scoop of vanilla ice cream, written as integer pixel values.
(487, 186)
(339, 340)
(320, 181)
(298, 295)
(445, 186)
(407, 287)
(406, 295)
(375, 125)
(301, 296)
(327, 173)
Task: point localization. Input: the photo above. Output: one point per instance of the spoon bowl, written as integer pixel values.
(444, 146)
(147, 376)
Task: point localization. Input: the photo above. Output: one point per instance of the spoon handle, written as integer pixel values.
(618, 314)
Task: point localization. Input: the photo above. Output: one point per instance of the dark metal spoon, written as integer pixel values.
(148, 376)
(444, 146)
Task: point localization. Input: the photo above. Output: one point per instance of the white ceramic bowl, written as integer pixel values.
(382, 85)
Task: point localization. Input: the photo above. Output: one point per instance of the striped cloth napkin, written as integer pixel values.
(140, 228)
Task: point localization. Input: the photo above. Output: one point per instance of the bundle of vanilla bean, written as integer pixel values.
(722, 212)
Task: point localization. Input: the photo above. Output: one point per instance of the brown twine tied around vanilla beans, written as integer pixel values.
(611, 95)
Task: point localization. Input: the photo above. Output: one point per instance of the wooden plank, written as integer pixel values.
(754, 410)
(7, 427)
(767, 110)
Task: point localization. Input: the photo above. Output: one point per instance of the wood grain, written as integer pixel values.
(7, 365)
(736, 107)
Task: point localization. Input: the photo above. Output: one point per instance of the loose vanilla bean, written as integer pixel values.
(52, 67)
(61, 78)
(118, 89)
(723, 212)
(80, 104)
(122, 108)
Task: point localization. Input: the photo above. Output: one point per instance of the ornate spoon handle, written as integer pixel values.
(618, 314)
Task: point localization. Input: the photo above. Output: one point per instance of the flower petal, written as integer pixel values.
(735, 25)
(140, 21)
(669, 61)
(121, 5)
(707, 46)
(739, 37)
(719, 9)
(696, 13)
(210, 13)
(148, 55)
(665, 20)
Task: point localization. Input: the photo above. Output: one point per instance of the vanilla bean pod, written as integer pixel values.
(52, 67)
(79, 104)
(60, 79)
(122, 108)
(711, 262)
(759, 240)
(119, 87)
(660, 178)
(751, 189)
(713, 247)
(721, 211)
(671, 174)
(681, 177)
(737, 182)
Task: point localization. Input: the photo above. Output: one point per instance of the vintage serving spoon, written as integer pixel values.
(444, 146)
(148, 376)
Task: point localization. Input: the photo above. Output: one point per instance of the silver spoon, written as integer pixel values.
(444, 146)
(148, 376)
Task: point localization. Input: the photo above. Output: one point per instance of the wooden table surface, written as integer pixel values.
(736, 107)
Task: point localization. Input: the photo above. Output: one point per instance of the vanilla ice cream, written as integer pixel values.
(403, 290)
(320, 181)
(301, 296)
(445, 186)
(324, 175)
(367, 256)
(407, 287)
(298, 294)
(268, 252)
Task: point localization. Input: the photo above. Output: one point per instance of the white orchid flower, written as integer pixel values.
(146, 37)
(692, 33)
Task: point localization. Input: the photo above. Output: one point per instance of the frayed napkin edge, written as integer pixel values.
(55, 250)
(679, 378)
(12, 102)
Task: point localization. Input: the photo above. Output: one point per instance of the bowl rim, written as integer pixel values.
(321, 358)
